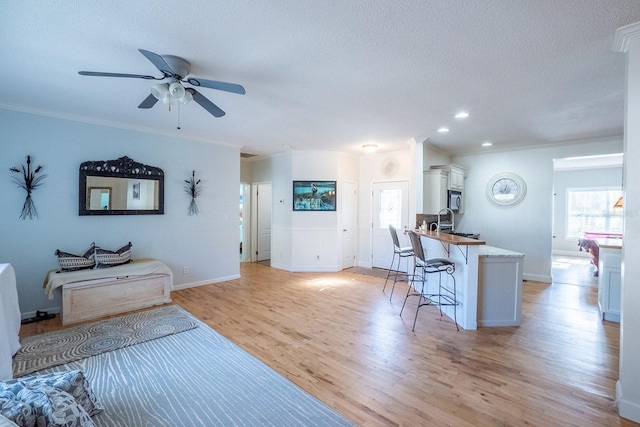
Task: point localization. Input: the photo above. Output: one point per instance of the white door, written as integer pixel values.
(263, 197)
(390, 207)
(348, 215)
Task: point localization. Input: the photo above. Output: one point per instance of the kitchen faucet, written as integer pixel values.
(446, 224)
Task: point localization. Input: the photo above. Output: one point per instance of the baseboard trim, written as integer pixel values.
(626, 409)
(204, 282)
(537, 278)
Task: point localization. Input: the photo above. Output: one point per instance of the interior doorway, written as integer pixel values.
(245, 209)
(261, 233)
(585, 191)
(348, 219)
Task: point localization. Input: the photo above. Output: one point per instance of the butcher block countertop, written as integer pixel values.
(450, 238)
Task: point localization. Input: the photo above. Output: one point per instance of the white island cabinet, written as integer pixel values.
(488, 280)
(609, 278)
(499, 287)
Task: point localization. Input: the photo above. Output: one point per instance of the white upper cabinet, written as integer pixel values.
(455, 173)
(435, 191)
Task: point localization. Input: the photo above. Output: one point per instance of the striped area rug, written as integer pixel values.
(196, 378)
(67, 345)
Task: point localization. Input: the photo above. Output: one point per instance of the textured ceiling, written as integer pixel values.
(330, 75)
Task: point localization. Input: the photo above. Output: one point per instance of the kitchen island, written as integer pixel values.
(481, 291)
(610, 278)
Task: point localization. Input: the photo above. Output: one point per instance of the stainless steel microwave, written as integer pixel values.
(454, 201)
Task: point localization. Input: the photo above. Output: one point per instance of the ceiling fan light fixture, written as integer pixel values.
(186, 98)
(176, 90)
(160, 90)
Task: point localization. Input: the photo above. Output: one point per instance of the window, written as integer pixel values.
(591, 209)
(390, 208)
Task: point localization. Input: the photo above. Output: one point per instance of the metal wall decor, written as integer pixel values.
(193, 189)
(29, 181)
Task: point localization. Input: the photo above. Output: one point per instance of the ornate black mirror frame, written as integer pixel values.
(124, 167)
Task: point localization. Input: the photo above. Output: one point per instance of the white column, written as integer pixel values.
(627, 40)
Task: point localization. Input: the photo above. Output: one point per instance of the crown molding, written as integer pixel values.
(106, 123)
(624, 35)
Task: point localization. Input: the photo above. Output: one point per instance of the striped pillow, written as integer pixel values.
(105, 258)
(71, 262)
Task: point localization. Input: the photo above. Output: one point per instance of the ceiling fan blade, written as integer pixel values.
(158, 61)
(212, 84)
(212, 108)
(100, 74)
(148, 102)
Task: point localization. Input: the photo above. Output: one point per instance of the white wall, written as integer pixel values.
(375, 168)
(562, 180)
(206, 243)
(303, 241)
(628, 392)
(527, 227)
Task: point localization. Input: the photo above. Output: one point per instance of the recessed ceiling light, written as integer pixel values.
(287, 146)
(369, 148)
(487, 144)
(443, 130)
(462, 115)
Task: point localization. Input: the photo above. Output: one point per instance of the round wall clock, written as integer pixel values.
(506, 189)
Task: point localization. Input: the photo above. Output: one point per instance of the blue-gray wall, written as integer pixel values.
(207, 243)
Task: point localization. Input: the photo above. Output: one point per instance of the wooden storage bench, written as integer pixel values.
(102, 297)
(89, 294)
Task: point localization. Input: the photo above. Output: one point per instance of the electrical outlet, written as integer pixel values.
(186, 270)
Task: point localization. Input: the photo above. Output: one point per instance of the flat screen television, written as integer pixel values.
(314, 195)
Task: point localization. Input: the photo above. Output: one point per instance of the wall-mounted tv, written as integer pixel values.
(314, 195)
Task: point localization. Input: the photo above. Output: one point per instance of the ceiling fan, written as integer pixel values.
(175, 69)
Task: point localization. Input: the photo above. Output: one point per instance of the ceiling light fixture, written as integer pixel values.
(444, 130)
(369, 148)
(462, 115)
(487, 144)
(166, 93)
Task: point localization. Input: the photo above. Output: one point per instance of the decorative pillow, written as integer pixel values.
(71, 262)
(105, 258)
(55, 407)
(16, 412)
(57, 399)
(73, 382)
(42, 406)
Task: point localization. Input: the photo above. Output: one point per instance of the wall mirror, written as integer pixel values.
(120, 187)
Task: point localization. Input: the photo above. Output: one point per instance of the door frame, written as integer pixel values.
(354, 221)
(372, 213)
(254, 216)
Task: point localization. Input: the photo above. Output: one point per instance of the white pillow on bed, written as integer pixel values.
(7, 423)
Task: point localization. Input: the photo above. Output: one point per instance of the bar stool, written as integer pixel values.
(401, 252)
(445, 296)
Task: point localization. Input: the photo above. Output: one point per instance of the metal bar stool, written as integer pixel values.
(445, 296)
(401, 252)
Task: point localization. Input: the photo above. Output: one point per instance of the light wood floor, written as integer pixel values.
(339, 337)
